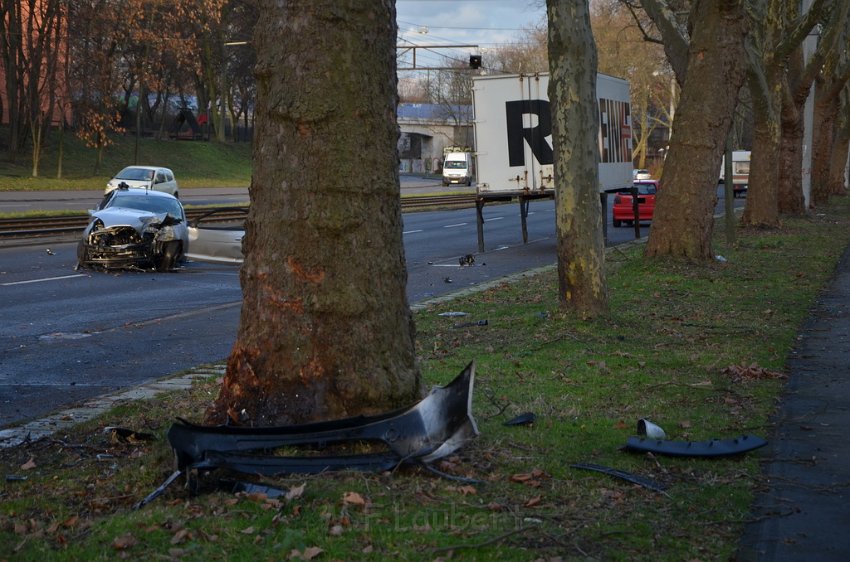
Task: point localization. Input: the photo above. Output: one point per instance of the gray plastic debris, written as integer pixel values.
(627, 476)
(648, 429)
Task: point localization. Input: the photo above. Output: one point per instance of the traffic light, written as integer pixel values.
(474, 61)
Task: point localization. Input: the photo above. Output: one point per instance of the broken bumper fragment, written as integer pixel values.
(431, 429)
(710, 448)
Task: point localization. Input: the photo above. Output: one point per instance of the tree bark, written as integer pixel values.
(826, 112)
(575, 125)
(683, 219)
(762, 207)
(326, 330)
(790, 183)
(840, 143)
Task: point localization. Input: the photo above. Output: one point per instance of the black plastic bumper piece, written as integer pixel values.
(711, 448)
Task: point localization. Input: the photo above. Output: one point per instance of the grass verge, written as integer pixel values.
(663, 352)
(195, 163)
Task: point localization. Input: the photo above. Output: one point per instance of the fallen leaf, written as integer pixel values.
(311, 552)
(179, 536)
(29, 465)
(533, 501)
(124, 542)
(247, 531)
(353, 498)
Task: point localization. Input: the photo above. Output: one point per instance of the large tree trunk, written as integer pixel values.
(326, 330)
(762, 190)
(683, 220)
(575, 126)
(790, 186)
(826, 112)
(840, 144)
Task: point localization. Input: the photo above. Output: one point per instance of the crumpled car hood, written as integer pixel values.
(119, 216)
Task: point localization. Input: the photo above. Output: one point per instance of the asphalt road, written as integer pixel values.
(70, 335)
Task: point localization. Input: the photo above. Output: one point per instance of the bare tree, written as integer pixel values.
(527, 56)
(326, 330)
(582, 286)
(709, 46)
(92, 71)
(797, 83)
(775, 33)
(830, 83)
(30, 33)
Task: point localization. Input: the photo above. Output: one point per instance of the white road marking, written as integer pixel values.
(44, 279)
(493, 219)
(454, 225)
(412, 231)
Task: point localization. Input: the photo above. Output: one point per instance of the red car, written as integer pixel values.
(623, 211)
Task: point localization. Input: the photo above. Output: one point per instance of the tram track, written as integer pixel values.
(44, 226)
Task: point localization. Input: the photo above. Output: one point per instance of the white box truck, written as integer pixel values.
(740, 171)
(513, 134)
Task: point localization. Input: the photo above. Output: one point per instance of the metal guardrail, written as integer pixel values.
(33, 227)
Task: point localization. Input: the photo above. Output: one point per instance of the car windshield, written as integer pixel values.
(646, 188)
(135, 174)
(156, 205)
(455, 164)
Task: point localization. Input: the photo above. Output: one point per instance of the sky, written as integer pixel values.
(486, 23)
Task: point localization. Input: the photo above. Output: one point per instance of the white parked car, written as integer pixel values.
(641, 174)
(156, 178)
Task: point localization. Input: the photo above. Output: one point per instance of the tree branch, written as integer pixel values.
(795, 36)
(836, 24)
(674, 40)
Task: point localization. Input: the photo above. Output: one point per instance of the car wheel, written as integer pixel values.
(618, 223)
(82, 255)
(170, 254)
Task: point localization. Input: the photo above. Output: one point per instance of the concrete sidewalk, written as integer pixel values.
(803, 512)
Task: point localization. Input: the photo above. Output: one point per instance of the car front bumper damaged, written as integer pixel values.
(435, 427)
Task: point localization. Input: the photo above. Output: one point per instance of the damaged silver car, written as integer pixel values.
(215, 239)
(135, 229)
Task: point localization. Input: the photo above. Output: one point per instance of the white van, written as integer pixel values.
(457, 168)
